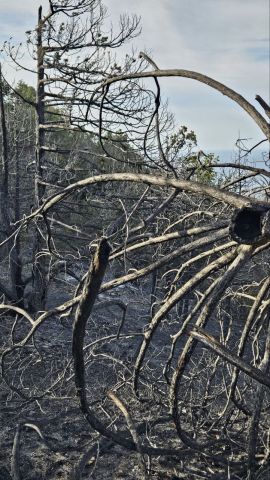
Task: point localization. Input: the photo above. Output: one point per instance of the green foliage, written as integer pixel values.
(200, 165)
(180, 152)
(179, 145)
(26, 91)
(180, 139)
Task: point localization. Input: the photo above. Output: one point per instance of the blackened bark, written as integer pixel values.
(38, 297)
(251, 225)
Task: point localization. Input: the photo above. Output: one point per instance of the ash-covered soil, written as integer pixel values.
(44, 435)
(43, 432)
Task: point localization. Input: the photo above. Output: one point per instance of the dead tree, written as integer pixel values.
(187, 364)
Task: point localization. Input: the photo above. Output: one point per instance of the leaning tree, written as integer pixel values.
(71, 51)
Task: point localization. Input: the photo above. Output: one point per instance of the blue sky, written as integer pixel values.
(225, 39)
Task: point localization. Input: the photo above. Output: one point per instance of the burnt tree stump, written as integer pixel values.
(251, 225)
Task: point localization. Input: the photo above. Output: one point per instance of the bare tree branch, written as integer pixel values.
(217, 347)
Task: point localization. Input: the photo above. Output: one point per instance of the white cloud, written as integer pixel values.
(225, 39)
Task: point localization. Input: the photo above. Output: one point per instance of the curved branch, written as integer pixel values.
(244, 254)
(220, 87)
(90, 291)
(213, 344)
(179, 234)
(171, 302)
(233, 199)
(244, 335)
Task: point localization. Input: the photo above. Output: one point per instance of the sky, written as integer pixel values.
(225, 39)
